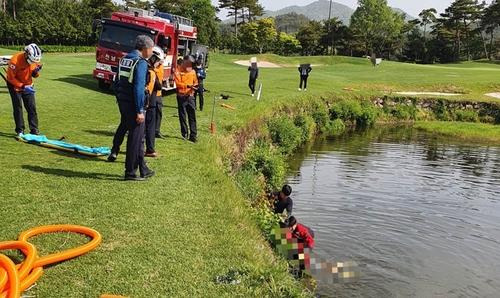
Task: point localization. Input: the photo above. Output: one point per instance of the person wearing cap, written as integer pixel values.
(187, 82)
(253, 75)
(131, 97)
(22, 68)
(154, 90)
(281, 200)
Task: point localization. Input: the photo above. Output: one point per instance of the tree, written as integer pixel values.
(490, 21)
(233, 6)
(333, 31)
(177, 7)
(266, 33)
(248, 37)
(290, 22)
(427, 16)
(375, 24)
(287, 44)
(309, 37)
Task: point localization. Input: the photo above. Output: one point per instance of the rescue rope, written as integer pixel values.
(14, 279)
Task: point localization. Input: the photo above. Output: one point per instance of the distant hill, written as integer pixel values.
(319, 11)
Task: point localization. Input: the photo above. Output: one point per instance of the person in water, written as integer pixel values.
(301, 232)
(281, 200)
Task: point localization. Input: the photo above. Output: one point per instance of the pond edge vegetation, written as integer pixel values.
(256, 155)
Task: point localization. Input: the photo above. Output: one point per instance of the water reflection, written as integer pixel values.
(420, 214)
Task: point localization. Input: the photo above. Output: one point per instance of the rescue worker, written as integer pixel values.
(281, 200)
(304, 70)
(154, 90)
(22, 68)
(187, 83)
(201, 74)
(301, 232)
(253, 76)
(130, 93)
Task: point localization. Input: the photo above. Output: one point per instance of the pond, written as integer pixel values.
(420, 214)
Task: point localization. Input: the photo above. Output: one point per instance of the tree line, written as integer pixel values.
(467, 29)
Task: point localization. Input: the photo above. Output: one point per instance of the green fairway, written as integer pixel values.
(171, 236)
(480, 132)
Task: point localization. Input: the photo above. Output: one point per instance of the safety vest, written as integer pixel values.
(126, 68)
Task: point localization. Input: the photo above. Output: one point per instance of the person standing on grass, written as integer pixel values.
(201, 74)
(22, 68)
(281, 200)
(253, 75)
(187, 83)
(130, 93)
(304, 70)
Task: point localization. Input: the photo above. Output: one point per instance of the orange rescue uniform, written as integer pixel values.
(185, 81)
(20, 72)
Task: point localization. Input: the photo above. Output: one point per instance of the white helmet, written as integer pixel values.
(158, 52)
(33, 53)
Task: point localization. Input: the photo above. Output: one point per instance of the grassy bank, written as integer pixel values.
(173, 235)
(475, 132)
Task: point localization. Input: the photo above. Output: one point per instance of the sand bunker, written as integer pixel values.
(263, 64)
(495, 95)
(427, 93)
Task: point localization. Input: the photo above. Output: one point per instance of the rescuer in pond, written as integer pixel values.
(304, 70)
(22, 68)
(154, 90)
(187, 83)
(281, 200)
(130, 93)
(301, 232)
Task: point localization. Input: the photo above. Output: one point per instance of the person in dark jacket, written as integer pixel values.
(304, 71)
(253, 76)
(301, 232)
(282, 200)
(130, 94)
(202, 75)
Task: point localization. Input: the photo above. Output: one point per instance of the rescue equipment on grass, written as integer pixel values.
(43, 141)
(14, 279)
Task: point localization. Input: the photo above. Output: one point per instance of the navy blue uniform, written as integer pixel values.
(130, 93)
(202, 75)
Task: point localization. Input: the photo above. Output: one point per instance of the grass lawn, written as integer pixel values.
(172, 235)
(479, 132)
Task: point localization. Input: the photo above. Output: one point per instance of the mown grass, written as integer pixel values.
(467, 131)
(172, 235)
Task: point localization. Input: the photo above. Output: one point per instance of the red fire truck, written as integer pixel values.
(174, 34)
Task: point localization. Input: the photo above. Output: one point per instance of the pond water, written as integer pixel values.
(419, 214)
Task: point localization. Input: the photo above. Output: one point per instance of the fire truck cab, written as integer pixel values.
(174, 34)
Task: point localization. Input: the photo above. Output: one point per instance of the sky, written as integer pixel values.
(412, 7)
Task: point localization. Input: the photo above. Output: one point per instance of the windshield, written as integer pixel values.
(120, 38)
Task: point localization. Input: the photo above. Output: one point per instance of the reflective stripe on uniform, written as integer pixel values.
(126, 68)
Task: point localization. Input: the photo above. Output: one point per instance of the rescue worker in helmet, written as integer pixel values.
(154, 90)
(22, 68)
(131, 95)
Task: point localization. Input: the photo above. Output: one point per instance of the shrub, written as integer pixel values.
(307, 125)
(405, 112)
(251, 184)
(320, 114)
(369, 115)
(285, 134)
(466, 116)
(441, 111)
(347, 110)
(262, 158)
(334, 128)
(266, 219)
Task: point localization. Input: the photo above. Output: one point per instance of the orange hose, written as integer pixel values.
(16, 278)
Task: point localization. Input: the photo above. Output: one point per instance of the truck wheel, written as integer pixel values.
(103, 85)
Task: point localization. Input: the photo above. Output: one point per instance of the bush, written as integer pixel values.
(320, 114)
(441, 111)
(307, 125)
(262, 158)
(405, 112)
(267, 220)
(347, 110)
(334, 128)
(466, 116)
(368, 115)
(251, 184)
(285, 134)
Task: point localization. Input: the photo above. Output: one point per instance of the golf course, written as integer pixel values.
(175, 234)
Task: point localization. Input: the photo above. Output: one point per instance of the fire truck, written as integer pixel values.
(176, 35)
